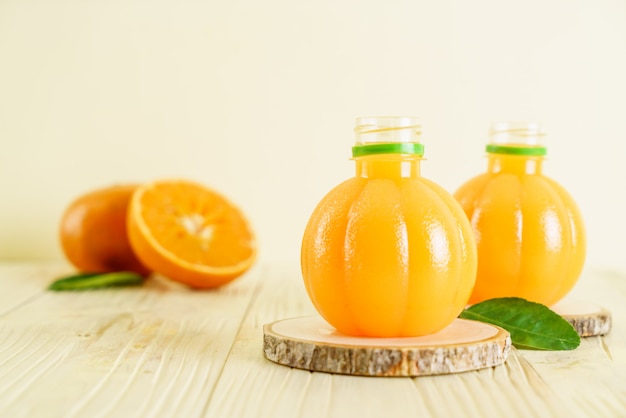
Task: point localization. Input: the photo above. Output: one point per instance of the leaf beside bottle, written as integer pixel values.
(532, 326)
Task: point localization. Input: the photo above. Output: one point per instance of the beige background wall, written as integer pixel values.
(257, 99)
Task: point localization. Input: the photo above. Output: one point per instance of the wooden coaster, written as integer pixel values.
(312, 344)
(586, 318)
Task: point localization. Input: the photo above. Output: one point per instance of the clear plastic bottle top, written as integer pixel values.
(517, 138)
(387, 135)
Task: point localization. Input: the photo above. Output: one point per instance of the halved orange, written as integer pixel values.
(190, 233)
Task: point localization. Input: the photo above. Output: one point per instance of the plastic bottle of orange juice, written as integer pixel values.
(388, 253)
(529, 231)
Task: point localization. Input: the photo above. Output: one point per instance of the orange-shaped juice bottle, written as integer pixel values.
(388, 253)
(529, 232)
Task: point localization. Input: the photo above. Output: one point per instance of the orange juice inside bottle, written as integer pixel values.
(388, 253)
(529, 232)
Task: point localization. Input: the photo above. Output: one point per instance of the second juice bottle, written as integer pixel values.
(529, 232)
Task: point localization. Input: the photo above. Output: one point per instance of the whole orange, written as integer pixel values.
(93, 231)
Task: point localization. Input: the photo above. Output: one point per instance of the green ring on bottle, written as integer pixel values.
(533, 151)
(389, 148)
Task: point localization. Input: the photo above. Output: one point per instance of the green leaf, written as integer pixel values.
(532, 326)
(85, 281)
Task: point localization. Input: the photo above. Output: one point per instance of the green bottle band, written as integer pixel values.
(533, 151)
(389, 148)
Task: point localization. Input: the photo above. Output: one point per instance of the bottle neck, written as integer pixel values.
(516, 147)
(515, 164)
(389, 166)
(388, 147)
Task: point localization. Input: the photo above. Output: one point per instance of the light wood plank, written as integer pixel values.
(162, 350)
(155, 350)
(250, 386)
(592, 377)
(21, 282)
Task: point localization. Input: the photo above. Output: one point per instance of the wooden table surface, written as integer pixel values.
(161, 350)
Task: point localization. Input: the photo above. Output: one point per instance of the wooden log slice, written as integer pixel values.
(310, 343)
(586, 318)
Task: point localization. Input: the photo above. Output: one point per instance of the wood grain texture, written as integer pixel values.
(520, 388)
(162, 350)
(587, 319)
(591, 325)
(157, 350)
(309, 343)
